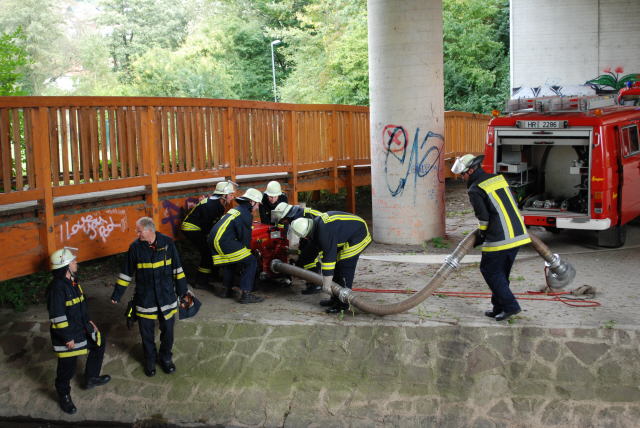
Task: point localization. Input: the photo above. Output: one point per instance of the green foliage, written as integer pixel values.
(222, 49)
(47, 47)
(330, 55)
(135, 26)
(437, 242)
(23, 291)
(476, 54)
(12, 58)
(609, 324)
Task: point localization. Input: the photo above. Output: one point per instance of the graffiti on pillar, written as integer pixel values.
(418, 159)
(173, 214)
(612, 80)
(95, 226)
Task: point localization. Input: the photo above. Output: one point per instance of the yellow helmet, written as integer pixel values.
(302, 226)
(63, 257)
(273, 189)
(224, 188)
(252, 195)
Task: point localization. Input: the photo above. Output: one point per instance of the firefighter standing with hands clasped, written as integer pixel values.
(154, 261)
(73, 333)
(501, 231)
(341, 237)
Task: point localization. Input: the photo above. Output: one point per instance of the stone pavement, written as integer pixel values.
(285, 363)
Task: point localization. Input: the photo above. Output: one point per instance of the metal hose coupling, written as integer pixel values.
(559, 273)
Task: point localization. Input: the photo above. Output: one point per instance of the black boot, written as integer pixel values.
(249, 297)
(96, 381)
(312, 289)
(202, 281)
(66, 404)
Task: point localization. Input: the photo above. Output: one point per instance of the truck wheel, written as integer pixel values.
(613, 237)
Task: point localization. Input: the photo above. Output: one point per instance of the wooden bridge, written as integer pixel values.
(78, 171)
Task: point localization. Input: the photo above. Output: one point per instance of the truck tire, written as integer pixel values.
(613, 237)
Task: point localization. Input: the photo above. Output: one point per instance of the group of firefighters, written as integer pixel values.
(330, 243)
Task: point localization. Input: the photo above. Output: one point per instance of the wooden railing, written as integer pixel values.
(61, 146)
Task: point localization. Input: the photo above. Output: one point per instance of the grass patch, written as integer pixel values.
(19, 293)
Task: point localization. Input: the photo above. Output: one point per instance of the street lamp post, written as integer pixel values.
(273, 68)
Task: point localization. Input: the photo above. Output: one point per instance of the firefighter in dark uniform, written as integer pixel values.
(198, 223)
(72, 331)
(341, 237)
(271, 197)
(283, 215)
(501, 231)
(154, 262)
(230, 241)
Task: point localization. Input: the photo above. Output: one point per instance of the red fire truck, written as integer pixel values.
(572, 162)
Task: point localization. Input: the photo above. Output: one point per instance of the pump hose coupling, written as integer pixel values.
(559, 273)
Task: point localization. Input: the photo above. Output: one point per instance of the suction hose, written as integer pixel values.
(560, 274)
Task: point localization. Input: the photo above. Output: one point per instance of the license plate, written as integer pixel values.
(542, 124)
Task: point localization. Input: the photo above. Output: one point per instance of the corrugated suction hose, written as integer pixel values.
(562, 271)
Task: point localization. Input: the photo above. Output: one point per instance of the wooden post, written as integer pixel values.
(351, 189)
(292, 147)
(42, 157)
(333, 142)
(150, 162)
(230, 141)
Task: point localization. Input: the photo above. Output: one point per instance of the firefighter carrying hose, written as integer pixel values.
(341, 237)
(154, 261)
(72, 331)
(501, 231)
(271, 197)
(283, 215)
(198, 223)
(230, 243)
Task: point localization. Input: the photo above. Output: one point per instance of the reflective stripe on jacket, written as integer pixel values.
(496, 211)
(204, 215)
(339, 236)
(68, 316)
(159, 277)
(230, 238)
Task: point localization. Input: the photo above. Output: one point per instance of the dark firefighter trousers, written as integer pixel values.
(199, 240)
(496, 268)
(343, 275)
(67, 366)
(247, 266)
(148, 332)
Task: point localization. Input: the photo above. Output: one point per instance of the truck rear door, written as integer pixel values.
(630, 163)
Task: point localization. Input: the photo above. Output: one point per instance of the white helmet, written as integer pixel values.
(224, 188)
(280, 211)
(61, 258)
(302, 226)
(466, 162)
(253, 195)
(273, 189)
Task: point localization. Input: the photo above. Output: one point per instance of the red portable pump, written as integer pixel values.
(269, 242)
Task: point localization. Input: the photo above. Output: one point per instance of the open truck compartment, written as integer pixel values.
(548, 171)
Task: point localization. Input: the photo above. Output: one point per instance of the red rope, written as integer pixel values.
(554, 296)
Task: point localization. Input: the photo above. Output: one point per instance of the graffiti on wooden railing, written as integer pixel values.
(95, 227)
(173, 214)
(423, 158)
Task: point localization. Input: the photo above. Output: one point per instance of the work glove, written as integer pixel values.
(326, 284)
(480, 236)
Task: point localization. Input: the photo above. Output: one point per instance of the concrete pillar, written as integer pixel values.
(407, 120)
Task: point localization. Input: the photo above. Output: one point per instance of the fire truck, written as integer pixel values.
(571, 162)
